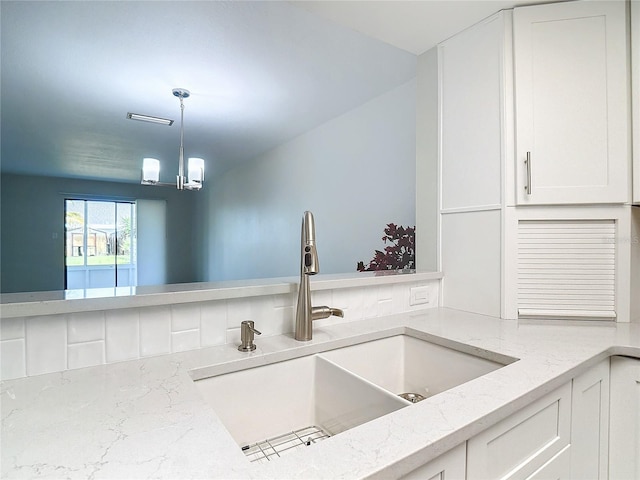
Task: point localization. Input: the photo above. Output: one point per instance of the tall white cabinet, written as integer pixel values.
(535, 164)
(473, 108)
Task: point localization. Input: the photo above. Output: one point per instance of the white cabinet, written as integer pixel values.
(570, 262)
(635, 95)
(520, 446)
(572, 103)
(473, 108)
(566, 434)
(450, 465)
(559, 467)
(572, 114)
(471, 116)
(563, 435)
(590, 423)
(624, 429)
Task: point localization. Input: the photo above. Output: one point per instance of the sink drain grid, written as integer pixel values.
(275, 447)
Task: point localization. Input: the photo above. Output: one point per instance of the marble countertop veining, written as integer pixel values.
(145, 419)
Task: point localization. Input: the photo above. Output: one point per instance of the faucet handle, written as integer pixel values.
(247, 330)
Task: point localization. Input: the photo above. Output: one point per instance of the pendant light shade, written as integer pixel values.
(150, 171)
(195, 169)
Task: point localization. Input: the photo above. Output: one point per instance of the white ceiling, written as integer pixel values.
(414, 26)
(260, 74)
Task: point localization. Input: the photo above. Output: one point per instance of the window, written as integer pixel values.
(99, 244)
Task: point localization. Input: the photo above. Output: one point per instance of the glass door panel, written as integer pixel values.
(100, 248)
(124, 245)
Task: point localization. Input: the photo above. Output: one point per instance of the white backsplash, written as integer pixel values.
(52, 343)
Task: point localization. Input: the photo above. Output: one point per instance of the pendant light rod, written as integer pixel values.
(181, 94)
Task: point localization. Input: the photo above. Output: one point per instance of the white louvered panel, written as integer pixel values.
(566, 268)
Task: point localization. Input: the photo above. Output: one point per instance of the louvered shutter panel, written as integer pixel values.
(566, 268)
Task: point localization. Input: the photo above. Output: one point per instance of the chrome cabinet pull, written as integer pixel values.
(527, 162)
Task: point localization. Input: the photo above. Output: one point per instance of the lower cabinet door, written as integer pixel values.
(590, 423)
(449, 466)
(624, 429)
(518, 446)
(558, 468)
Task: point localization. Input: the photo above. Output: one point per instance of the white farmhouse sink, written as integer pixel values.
(265, 402)
(327, 393)
(405, 364)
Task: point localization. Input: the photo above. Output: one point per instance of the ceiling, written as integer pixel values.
(414, 26)
(260, 73)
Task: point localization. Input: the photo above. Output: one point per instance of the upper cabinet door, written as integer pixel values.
(471, 116)
(572, 103)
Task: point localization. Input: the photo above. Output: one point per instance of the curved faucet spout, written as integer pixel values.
(324, 312)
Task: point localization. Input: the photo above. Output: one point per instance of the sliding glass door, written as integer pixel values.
(100, 247)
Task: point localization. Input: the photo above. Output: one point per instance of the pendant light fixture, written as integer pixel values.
(195, 166)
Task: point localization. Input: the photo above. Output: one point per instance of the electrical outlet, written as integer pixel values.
(419, 295)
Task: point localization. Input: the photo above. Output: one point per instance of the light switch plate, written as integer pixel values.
(419, 295)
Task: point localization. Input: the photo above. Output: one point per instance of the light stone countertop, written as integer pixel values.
(145, 418)
(28, 304)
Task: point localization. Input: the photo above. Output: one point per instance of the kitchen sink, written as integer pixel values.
(264, 402)
(405, 364)
(275, 408)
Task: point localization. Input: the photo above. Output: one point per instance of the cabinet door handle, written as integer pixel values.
(527, 162)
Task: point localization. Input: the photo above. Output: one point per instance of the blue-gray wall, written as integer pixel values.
(32, 228)
(356, 173)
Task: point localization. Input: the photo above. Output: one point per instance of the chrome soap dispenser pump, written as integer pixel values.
(305, 313)
(247, 330)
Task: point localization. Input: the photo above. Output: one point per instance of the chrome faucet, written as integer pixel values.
(305, 313)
